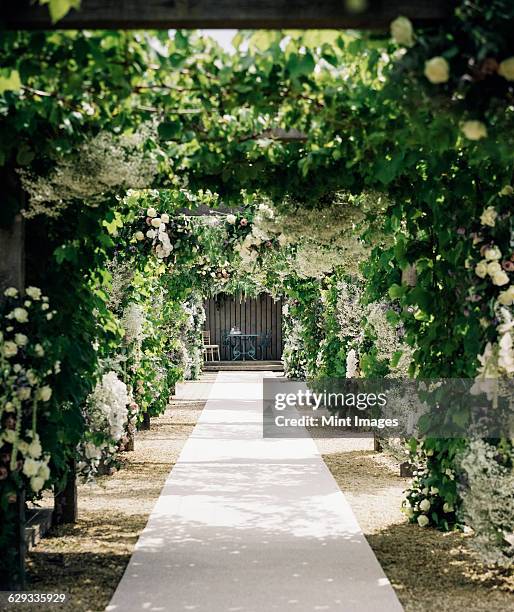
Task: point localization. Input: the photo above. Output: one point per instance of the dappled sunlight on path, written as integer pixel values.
(250, 524)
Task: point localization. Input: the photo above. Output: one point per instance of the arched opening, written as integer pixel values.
(246, 328)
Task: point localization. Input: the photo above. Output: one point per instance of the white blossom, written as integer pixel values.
(402, 32)
(21, 315)
(474, 130)
(437, 70)
(488, 217)
(506, 69)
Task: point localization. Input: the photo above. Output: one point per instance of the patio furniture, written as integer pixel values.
(210, 350)
(242, 345)
(264, 344)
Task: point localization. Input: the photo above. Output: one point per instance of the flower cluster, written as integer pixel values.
(106, 414)
(430, 498)
(104, 163)
(133, 321)
(157, 233)
(27, 368)
(438, 70)
(496, 266)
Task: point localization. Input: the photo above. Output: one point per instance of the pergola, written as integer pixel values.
(168, 14)
(173, 14)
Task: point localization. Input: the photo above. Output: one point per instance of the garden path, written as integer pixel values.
(246, 524)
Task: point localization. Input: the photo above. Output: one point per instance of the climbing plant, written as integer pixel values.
(422, 121)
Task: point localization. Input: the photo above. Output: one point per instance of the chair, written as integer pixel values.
(264, 343)
(209, 350)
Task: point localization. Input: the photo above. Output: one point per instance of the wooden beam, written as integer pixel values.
(164, 14)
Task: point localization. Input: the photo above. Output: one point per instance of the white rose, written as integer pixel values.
(434, 490)
(44, 472)
(423, 520)
(474, 130)
(506, 298)
(506, 69)
(39, 350)
(92, 451)
(424, 505)
(151, 212)
(493, 268)
(11, 292)
(9, 436)
(33, 292)
(500, 278)
(21, 315)
(481, 269)
(24, 393)
(150, 234)
(165, 218)
(447, 508)
(37, 483)
(44, 394)
(9, 407)
(10, 349)
(231, 219)
(50, 316)
(21, 339)
(156, 222)
(402, 31)
(139, 236)
(493, 254)
(488, 217)
(34, 449)
(508, 190)
(30, 467)
(17, 368)
(408, 511)
(32, 378)
(437, 70)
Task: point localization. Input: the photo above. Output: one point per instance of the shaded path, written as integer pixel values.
(246, 524)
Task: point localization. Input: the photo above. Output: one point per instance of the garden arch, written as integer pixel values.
(442, 159)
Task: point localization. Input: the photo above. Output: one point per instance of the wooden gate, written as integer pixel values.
(261, 315)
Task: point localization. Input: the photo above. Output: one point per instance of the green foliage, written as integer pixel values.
(60, 8)
(295, 116)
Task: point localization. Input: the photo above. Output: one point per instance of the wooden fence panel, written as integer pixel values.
(259, 315)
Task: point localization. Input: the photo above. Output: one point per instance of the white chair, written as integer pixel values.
(210, 350)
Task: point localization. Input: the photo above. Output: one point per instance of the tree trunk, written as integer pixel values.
(145, 423)
(65, 500)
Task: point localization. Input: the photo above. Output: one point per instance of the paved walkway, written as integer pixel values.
(246, 524)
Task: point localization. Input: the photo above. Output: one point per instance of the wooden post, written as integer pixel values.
(145, 423)
(377, 447)
(14, 549)
(65, 500)
(406, 469)
(12, 274)
(131, 432)
(12, 255)
(19, 571)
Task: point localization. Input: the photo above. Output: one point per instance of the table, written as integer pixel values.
(243, 346)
